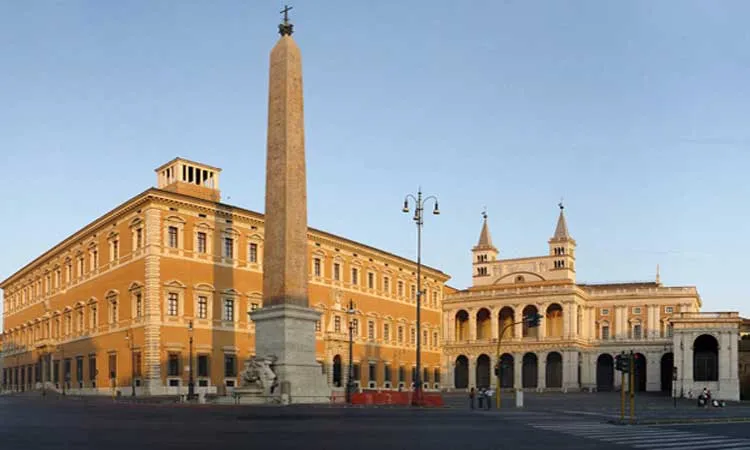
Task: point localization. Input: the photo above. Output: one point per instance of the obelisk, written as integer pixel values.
(285, 326)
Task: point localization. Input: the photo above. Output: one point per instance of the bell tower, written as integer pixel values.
(484, 254)
(189, 178)
(562, 247)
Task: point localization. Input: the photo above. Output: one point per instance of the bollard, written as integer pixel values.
(519, 398)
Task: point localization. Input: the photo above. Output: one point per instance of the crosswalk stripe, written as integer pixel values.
(643, 438)
(725, 445)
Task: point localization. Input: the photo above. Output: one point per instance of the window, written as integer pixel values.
(400, 335)
(669, 330)
(252, 254)
(316, 267)
(337, 272)
(80, 320)
(138, 305)
(605, 332)
(355, 326)
(201, 243)
(202, 365)
(139, 238)
(138, 362)
(228, 248)
(230, 366)
(401, 374)
(202, 307)
(437, 376)
(228, 309)
(371, 280)
(400, 288)
(94, 319)
(112, 366)
(115, 249)
(386, 284)
(92, 368)
(424, 337)
(413, 336)
(113, 311)
(172, 237)
(80, 266)
(173, 304)
(637, 310)
(253, 306)
(605, 311)
(337, 324)
(386, 373)
(637, 332)
(413, 292)
(371, 372)
(371, 330)
(173, 365)
(94, 259)
(386, 332)
(669, 309)
(355, 276)
(435, 339)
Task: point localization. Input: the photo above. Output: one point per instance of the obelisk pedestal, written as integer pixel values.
(285, 326)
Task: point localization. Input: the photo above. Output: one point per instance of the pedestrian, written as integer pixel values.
(480, 398)
(488, 393)
(471, 398)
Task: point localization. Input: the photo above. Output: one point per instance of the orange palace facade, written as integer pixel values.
(110, 308)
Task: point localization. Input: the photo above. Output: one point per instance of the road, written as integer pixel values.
(33, 423)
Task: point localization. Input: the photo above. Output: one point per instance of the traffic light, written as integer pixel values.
(532, 320)
(625, 363)
(622, 362)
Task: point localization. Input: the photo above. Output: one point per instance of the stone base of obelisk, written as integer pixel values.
(287, 333)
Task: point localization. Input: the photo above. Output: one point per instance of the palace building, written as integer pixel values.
(584, 327)
(113, 305)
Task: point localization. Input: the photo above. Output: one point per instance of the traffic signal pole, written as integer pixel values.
(632, 387)
(622, 396)
(533, 321)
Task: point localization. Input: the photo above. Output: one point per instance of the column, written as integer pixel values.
(472, 325)
(449, 331)
(472, 371)
(619, 324)
(650, 323)
(573, 321)
(687, 362)
(493, 377)
(542, 371)
(517, 317)
(495, 322)
(567, 317)
(518, 370)
(653, 371)
(542, 329)
(592, 323)
(588, 371)
(447, 380)
(570, 371)
(734, 366)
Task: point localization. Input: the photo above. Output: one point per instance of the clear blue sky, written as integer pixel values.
(635, 112)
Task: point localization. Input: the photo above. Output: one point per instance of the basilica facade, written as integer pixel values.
(677, 349)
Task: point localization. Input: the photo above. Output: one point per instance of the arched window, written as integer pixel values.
(705, 358)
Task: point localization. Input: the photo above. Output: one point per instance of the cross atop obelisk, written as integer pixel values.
(286, 28)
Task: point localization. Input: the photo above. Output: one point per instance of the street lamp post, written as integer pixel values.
(418, 218)
(350, 374)
(191, 385)
(129, 339)
(64, 374)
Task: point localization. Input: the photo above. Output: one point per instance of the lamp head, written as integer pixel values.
(436, 211)
(406, 206)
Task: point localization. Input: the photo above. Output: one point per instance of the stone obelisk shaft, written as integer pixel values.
(285, 241)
